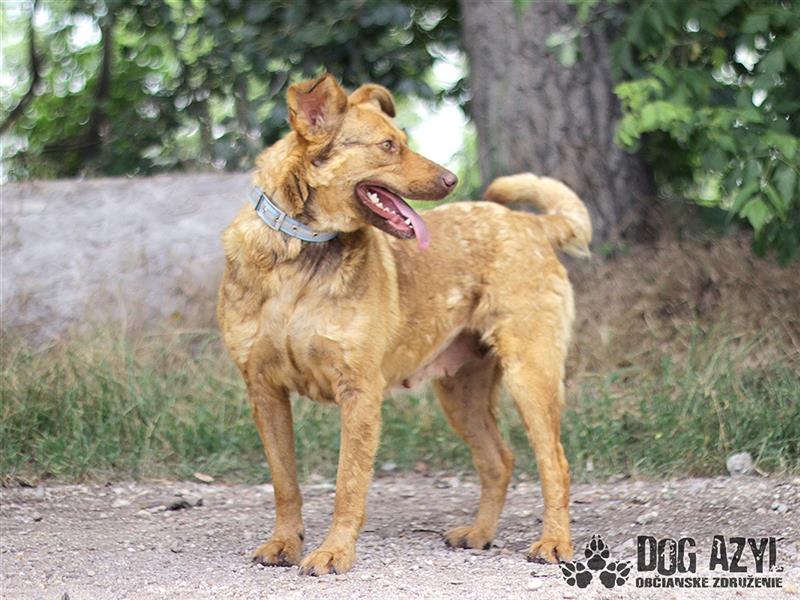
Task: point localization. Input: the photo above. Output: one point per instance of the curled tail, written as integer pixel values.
(566, 219)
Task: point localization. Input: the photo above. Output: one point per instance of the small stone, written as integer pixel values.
(534, 584)
(203, 477)
(180, 504)
(388, 466)
(740, 463)
(37, 517)
(647, 518)
(120, 503)
(780, 508)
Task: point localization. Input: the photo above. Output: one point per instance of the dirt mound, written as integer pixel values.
(659, 298)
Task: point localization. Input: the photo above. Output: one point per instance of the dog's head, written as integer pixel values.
(357, 161)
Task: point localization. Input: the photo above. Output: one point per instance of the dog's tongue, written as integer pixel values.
(420, 229)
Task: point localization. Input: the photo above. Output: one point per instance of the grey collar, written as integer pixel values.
(278, 220)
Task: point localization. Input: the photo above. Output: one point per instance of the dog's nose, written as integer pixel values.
(449, 179)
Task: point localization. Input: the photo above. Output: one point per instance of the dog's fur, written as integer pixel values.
(346, 320)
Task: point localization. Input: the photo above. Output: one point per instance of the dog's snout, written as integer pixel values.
(449, 179)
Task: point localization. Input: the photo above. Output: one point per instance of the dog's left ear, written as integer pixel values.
(374, 94)
(316, 107)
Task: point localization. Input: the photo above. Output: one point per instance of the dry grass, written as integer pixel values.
(652, 300)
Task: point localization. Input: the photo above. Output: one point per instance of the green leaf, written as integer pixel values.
(521, 6)
(757, 212)
(773, 63)
(785, 182)
(779, 205)
(756, 23)
(791, 49)
(568, 54)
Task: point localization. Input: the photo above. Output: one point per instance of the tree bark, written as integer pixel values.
(534, 114)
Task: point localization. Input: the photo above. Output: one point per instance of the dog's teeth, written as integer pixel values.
(408, 222)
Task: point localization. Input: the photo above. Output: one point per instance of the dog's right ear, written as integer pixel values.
(316, 107)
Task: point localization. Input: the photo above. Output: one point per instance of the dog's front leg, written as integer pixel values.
(272, 412)
(360, 423)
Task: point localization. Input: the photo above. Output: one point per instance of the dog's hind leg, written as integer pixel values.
(272, 412)
(469, 399)
(532, 353)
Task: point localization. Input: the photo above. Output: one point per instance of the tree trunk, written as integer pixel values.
(534, 114)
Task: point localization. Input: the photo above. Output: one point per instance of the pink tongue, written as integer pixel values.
(420, 229)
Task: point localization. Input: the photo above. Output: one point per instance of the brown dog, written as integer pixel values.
(345, 320)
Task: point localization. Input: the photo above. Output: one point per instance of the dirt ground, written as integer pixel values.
(191, 540)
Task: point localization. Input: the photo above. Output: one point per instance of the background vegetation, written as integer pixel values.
(689, 347)
(708, 90)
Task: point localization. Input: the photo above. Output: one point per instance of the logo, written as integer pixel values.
(610, 572)
(733, 562)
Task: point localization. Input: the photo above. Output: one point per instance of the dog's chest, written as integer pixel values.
(297, 342)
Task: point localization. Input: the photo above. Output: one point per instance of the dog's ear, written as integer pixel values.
(316, 107)
(374, 94)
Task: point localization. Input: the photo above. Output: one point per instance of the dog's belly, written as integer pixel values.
(457, 352)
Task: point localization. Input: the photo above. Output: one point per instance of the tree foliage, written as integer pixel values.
(709, 90)
(710, 94)
(135, 86)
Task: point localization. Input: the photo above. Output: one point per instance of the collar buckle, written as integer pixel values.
(278, 220)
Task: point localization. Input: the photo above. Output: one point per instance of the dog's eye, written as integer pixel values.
(388, 145)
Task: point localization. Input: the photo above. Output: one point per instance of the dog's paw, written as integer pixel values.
(467, 537)
(551, 551)
(615, 574)
(576, 574)
(279, 552)
(597, 553)
(324, 561)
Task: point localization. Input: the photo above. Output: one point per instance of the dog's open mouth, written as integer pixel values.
(395, 216)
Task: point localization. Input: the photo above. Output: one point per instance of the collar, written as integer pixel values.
(278, 220)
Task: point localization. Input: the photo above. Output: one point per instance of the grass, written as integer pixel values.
(166, 406)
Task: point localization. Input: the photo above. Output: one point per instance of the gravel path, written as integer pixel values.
(136, 540)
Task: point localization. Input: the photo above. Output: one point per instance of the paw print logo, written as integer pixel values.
(596, 553)
(576, 573)
(611, 573)
(615, 574)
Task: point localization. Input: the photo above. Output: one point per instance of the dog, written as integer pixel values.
(468, 296)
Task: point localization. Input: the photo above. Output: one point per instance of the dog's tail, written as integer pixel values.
(566, 219)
